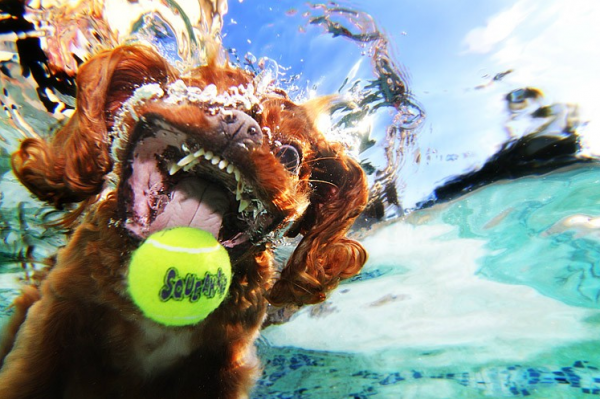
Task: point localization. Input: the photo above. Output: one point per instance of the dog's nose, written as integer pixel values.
(241, 129)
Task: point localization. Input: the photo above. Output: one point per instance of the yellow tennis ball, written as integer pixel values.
(178, 276)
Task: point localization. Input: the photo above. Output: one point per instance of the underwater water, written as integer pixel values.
(474, 122)
(494, 295)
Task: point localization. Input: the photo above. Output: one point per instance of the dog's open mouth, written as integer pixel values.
(176, 176)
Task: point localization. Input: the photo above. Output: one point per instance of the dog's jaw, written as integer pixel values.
(185, 157)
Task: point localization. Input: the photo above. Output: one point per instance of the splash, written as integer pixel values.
(386, 93)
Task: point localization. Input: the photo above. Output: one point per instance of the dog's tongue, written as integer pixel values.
(195, 203)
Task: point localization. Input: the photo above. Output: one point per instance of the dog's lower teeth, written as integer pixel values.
(230, 168)
(243, 205)
(190, 165)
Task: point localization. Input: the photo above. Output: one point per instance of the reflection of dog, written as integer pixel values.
(146, 150)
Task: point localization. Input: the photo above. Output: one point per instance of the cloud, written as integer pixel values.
(550, 44)
(483, 39)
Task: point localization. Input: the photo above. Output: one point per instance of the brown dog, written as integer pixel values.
(148, 149)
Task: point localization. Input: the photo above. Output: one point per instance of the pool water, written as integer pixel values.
(494, 293)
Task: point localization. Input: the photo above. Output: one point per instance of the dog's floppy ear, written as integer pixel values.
(325, 255)
(72, 166)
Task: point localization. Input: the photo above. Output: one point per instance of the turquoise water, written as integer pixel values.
(491, 295)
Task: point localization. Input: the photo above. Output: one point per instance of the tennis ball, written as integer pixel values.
(178, 276)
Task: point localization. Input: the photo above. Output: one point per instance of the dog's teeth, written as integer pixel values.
(190, 165)
(243, 205)
(208, 155)
(174, 169)
(237, 174)
(199, 153)
(185, 160)
(223, 164)
(230, 168)
(238, 191)
(215, 160)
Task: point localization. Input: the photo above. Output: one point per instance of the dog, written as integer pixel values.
(147, 149)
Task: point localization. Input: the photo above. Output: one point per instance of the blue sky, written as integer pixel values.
(447, 48)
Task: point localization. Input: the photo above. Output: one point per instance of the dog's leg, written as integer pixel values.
(30, 369)
(21, 305)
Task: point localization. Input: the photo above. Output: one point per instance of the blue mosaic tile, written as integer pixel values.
(339, 373)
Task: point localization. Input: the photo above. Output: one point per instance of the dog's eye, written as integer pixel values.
(289, 157)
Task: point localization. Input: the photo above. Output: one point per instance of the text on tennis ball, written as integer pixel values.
(191, 286)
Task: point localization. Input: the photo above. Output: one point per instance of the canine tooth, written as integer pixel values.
(174, 169)
(243, 205)
(199, 153)
(223, 164)
(208, 155)
(230, 168)
(187, 159)
(236, 173)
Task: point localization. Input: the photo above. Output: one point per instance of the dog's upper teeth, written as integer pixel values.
(192, 159)
(199, 153)
(186, 160)
(174, 168)
(250, 207)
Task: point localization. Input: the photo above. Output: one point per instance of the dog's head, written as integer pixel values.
(209, 150)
